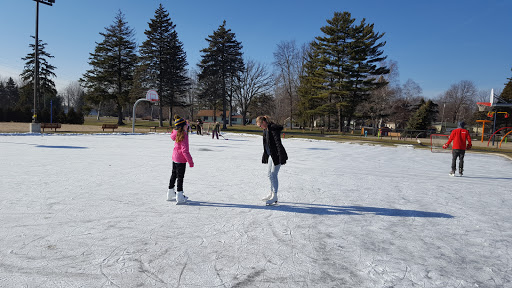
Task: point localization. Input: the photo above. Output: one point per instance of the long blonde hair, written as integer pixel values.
(181, 134)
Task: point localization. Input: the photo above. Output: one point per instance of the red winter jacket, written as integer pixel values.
(459, 137)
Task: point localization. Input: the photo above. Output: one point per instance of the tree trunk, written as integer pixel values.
(120, 115)
(340, 120)
(160, 117)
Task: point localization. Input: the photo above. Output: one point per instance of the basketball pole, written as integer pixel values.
(151, 96)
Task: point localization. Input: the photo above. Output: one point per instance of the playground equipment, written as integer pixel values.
(483, 127)
(490, 107)
(151, 96)
(502, 138)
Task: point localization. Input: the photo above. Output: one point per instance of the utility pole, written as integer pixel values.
(34, 126)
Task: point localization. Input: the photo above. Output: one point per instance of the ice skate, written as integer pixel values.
(452, 173)
(180, 198)
(171, 195)
(272, 200)
(460, 172)
(268, 197)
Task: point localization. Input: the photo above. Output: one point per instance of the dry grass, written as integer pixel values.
(16, 127)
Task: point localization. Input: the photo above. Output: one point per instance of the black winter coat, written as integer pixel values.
(273, 140)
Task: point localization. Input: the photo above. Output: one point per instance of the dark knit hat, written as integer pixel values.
(178, 121)
(461, 124)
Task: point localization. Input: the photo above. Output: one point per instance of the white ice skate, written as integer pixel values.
(171, 196)
(452, 173)
(273, 200)
(180, 198)
(268, 197)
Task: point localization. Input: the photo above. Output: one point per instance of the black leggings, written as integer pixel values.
(178, 172)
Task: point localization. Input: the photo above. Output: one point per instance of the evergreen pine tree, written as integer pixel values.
(164, 61)
(220, 63)
(46, 87)
(348, 55)
(12, 93)
(3, 101)
(313, 96)
(506, 94)
(113, 64)
(423, 117)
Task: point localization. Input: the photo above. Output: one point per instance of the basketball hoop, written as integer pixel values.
(484, 106)
(152, 96)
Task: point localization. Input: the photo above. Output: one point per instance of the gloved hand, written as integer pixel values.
(469, 146)
(445, 146)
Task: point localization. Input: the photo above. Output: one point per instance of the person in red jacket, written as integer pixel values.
(459, 137)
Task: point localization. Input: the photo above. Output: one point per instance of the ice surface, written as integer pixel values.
(90, 211)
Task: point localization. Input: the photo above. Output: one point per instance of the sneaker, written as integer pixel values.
(452, 173)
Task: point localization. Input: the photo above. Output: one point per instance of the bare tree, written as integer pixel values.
(253, 82)
(380, 103)
(411, 91)
(406, 98)
(288, 59)
(74, 95)
(460, 100)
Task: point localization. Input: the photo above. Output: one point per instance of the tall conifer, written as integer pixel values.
(46, 88)
(113, 63)
(220, 63)
(164, 61)
(348, 55)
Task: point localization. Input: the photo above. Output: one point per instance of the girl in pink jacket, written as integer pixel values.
(180, 157)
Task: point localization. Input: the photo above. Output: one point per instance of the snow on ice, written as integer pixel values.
(90, 211)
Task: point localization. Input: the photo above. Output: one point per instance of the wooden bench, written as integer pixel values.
(394, 134)
(50, 125)
(109, 126)
(153, 128)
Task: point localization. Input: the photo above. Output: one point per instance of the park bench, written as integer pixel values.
(153, 128)
(50, 125)
(394, 134)
(109, 126)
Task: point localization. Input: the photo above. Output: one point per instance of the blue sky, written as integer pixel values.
(435, 43)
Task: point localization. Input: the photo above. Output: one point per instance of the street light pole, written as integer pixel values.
(442, 118)
(36, 66)
(33, 127)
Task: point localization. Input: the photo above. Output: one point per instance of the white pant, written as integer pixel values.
(273, 170)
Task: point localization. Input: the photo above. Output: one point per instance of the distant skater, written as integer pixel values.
(180, 157)
(216, 130)
(273, 148)
(459, 137)
(199, 127)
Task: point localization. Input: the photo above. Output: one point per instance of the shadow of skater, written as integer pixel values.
(320, 209)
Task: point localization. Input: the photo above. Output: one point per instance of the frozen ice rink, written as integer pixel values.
(90, 211)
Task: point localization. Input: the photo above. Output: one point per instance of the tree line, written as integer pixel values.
(341, 80)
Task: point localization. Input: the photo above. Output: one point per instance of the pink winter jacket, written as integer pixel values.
(180, 153)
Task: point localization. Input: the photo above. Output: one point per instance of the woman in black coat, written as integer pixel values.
(273, 148)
